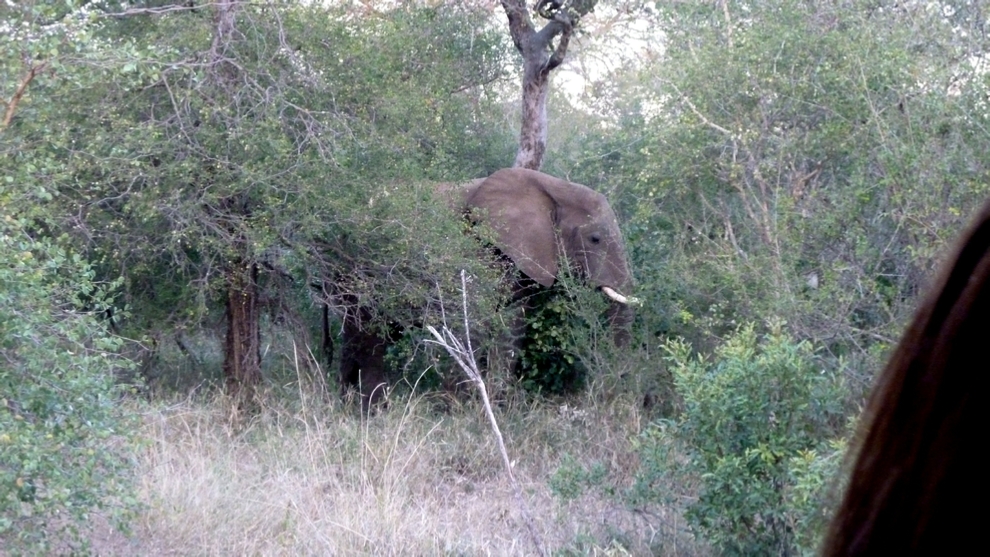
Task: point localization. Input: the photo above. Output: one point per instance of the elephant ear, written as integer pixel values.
(515, 205)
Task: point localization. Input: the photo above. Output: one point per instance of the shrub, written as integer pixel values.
(572, 479)
(549, 363)
(63, 432)
(569, 343)
(755, 436)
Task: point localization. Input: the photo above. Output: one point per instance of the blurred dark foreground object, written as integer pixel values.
(918, 483)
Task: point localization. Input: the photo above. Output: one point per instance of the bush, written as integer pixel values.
(572, 479)
(64, 436)
(549, 363)
(755, 435)
(569, 342)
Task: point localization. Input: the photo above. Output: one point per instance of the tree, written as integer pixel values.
(255, 147)
(540, 56)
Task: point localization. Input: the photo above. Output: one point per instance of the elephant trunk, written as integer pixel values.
(620, 317)
(620, 313)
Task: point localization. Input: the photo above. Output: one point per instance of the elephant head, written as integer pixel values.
(541, 221)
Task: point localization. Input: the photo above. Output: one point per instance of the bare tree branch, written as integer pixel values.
(19, 93)
(704, 119)
(173, 8)
(464, 356)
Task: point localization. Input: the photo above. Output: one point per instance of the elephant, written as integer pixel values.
(539, 224)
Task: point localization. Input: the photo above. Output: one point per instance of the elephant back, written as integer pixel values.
(456, 194)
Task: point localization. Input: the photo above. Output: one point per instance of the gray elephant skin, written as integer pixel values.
(539, 223)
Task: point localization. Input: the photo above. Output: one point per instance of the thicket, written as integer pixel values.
(66, 434)
(181, 179)
(802, 161)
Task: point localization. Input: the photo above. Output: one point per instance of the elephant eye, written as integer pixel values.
(595, 238)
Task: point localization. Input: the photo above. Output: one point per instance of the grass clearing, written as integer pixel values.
(423, 478)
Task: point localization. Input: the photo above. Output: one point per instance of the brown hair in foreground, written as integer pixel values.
(915, 486)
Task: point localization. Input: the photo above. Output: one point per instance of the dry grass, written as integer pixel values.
(319, 480)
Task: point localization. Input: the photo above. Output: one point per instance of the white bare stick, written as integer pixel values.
(464, 356)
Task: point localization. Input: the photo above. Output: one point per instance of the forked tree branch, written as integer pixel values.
(464, 356)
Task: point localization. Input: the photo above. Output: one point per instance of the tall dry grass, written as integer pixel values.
(423, 478)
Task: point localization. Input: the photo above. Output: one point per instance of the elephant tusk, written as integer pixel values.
(619, 297)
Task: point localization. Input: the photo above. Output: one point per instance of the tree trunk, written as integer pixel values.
(242, 350)
(328, 347)
(224, 27)
(540, 57)
(242, 347)
(533, 131)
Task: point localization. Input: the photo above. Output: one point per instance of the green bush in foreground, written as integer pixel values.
(755, 438)
(63, 433)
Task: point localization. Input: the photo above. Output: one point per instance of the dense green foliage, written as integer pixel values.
(64, 436)
(792, 161)
(549, 362)
(296, 147)
(316, 153)
(755, 414)
(802, 160)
